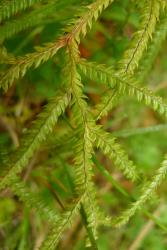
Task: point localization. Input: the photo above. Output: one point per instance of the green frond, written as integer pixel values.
(95, 215)
(41, 16)
(151, 11)
(98, 72)
(9, 8)
(35, 17)
(22, 64)
(129, 86)
(82, 160)
(35, 136)
(108, 101)
(84, 143)
(65, 220)
(106, 142)
(124, 85)
(43, 54)
(106, 76)
(147, 193)
(82, 24)
(90, 240)
(82, 183)
(152, 51)
(32, 200)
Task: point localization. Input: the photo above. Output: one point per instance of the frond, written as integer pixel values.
(147, 194)
(98, 72)
(83, 149)
(9, 8)
(82, 160)
(152, 52)
(95, 215)
(151, 11)
(35, 136)
(82, 24)
(22, 64)
(35, 17)
(108, 101)
(61, 224)
(42, 54)
(32, 200)
(84, 144)
(106, 142)
(41, 16)
(106, 76)
(128, 86)
(86, 198)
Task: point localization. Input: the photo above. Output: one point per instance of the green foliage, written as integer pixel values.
(33, 139)
(107, 143)
(32, 200)
(70, 110)
(154, 47)
(147, 193)
(9, 8)
(124, 85)
(151, 11)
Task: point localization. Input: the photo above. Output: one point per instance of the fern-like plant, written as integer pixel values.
(85, 134)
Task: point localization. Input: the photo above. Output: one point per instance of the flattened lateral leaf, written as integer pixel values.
(140, 39)
(61, 224)
(147, 193)
(22, 64)
(32, 200)
(124, 85)
(9, 8)
(33, 139)
(106, 142)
